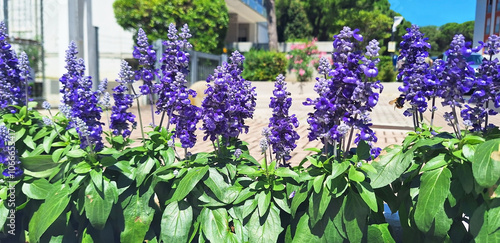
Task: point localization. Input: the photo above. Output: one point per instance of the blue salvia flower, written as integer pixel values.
(229, 100)
(12, 87)
(81, 100)
(419, 84)
(345, 95)
(46, 105)
(24, 75)
(146, 56)
(456, 77)
(47, 121)
(282, 136)
(487, 88)
(173, 94)
(120, 116)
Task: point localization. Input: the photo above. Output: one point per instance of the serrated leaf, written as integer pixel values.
(176, 222)
(486, 163)
(434, 189)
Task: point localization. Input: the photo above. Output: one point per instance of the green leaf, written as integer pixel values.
(176, 222)
(40, 166)
(367, 194)
(300, 196)
(98, 205)
(380, 233)
(318, 183)
(28, 140)
(57, 154)
(355, 216)
(47, 141)
(313, 149)
(282, 201)
(38, 189)
(48, 212)
(77, 153)
(96, 176)
(434, 189)
(314, 161)
(263, 202)
(390, 167)
(138, 216)
(468, 151)
(339, 168)
(144, 169)
(355, 175)
(264, 228)
(188, 182)
(214, 224)
(286, 172)
(486, 163)
(363, 150)
(493, 219)
(82, 168)
(168, 155)
(436, 162)
(222, 191)
(318, 204)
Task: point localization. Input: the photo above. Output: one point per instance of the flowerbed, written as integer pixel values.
(62, 183)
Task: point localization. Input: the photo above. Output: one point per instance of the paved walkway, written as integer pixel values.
(389, 123)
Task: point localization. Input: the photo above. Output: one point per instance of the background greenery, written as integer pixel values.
(261, 65)
(207, 19)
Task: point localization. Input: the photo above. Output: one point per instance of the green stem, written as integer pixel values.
(152, 110)
(459, 135)
(432, 111)
(139, 113)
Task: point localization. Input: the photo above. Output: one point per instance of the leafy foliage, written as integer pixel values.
(208, 19)
(261, 65)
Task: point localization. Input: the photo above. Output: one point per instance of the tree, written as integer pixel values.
(371, 24)
(432, 32)
(271, 24)
(298, 26)
(207, 19)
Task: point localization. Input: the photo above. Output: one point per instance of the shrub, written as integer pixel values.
(301, 60)
(261, 65)
(386, 69)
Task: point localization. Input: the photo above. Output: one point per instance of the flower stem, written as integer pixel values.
(432, 110)
(152, 110)
(459, 135)
(139, 113)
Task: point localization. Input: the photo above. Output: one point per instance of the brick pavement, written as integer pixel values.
(390, 124)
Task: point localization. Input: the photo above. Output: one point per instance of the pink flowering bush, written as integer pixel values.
(301, 60)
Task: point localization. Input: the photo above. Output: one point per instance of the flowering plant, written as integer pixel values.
(61, 182)
(300, 59)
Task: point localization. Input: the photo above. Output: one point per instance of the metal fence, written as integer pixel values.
(201, 64)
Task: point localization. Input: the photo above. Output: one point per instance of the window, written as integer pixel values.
(497, 25)
(489, 6)
(487, 30)
(498, 5)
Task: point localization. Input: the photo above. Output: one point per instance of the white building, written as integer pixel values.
(66, 20)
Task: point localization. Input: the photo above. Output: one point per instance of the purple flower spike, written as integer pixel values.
(418, 82)
(228, 102)
(173, 94)
(283, 136)
(13, 76)
(120, 117)
(146, 56)
(345, 95)
(80, 100)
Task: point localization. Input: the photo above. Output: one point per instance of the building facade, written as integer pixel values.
(487, 21)
(92, 25)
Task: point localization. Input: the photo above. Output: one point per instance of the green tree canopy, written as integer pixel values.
(207, 19)
(298, 26)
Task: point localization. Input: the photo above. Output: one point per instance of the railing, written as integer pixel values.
(201, 64)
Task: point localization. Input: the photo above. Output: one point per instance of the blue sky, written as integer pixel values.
(435, 12)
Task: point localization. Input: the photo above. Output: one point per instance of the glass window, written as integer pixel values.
(487, 30)
(497, 25)
(489, 8)
(498, 5)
